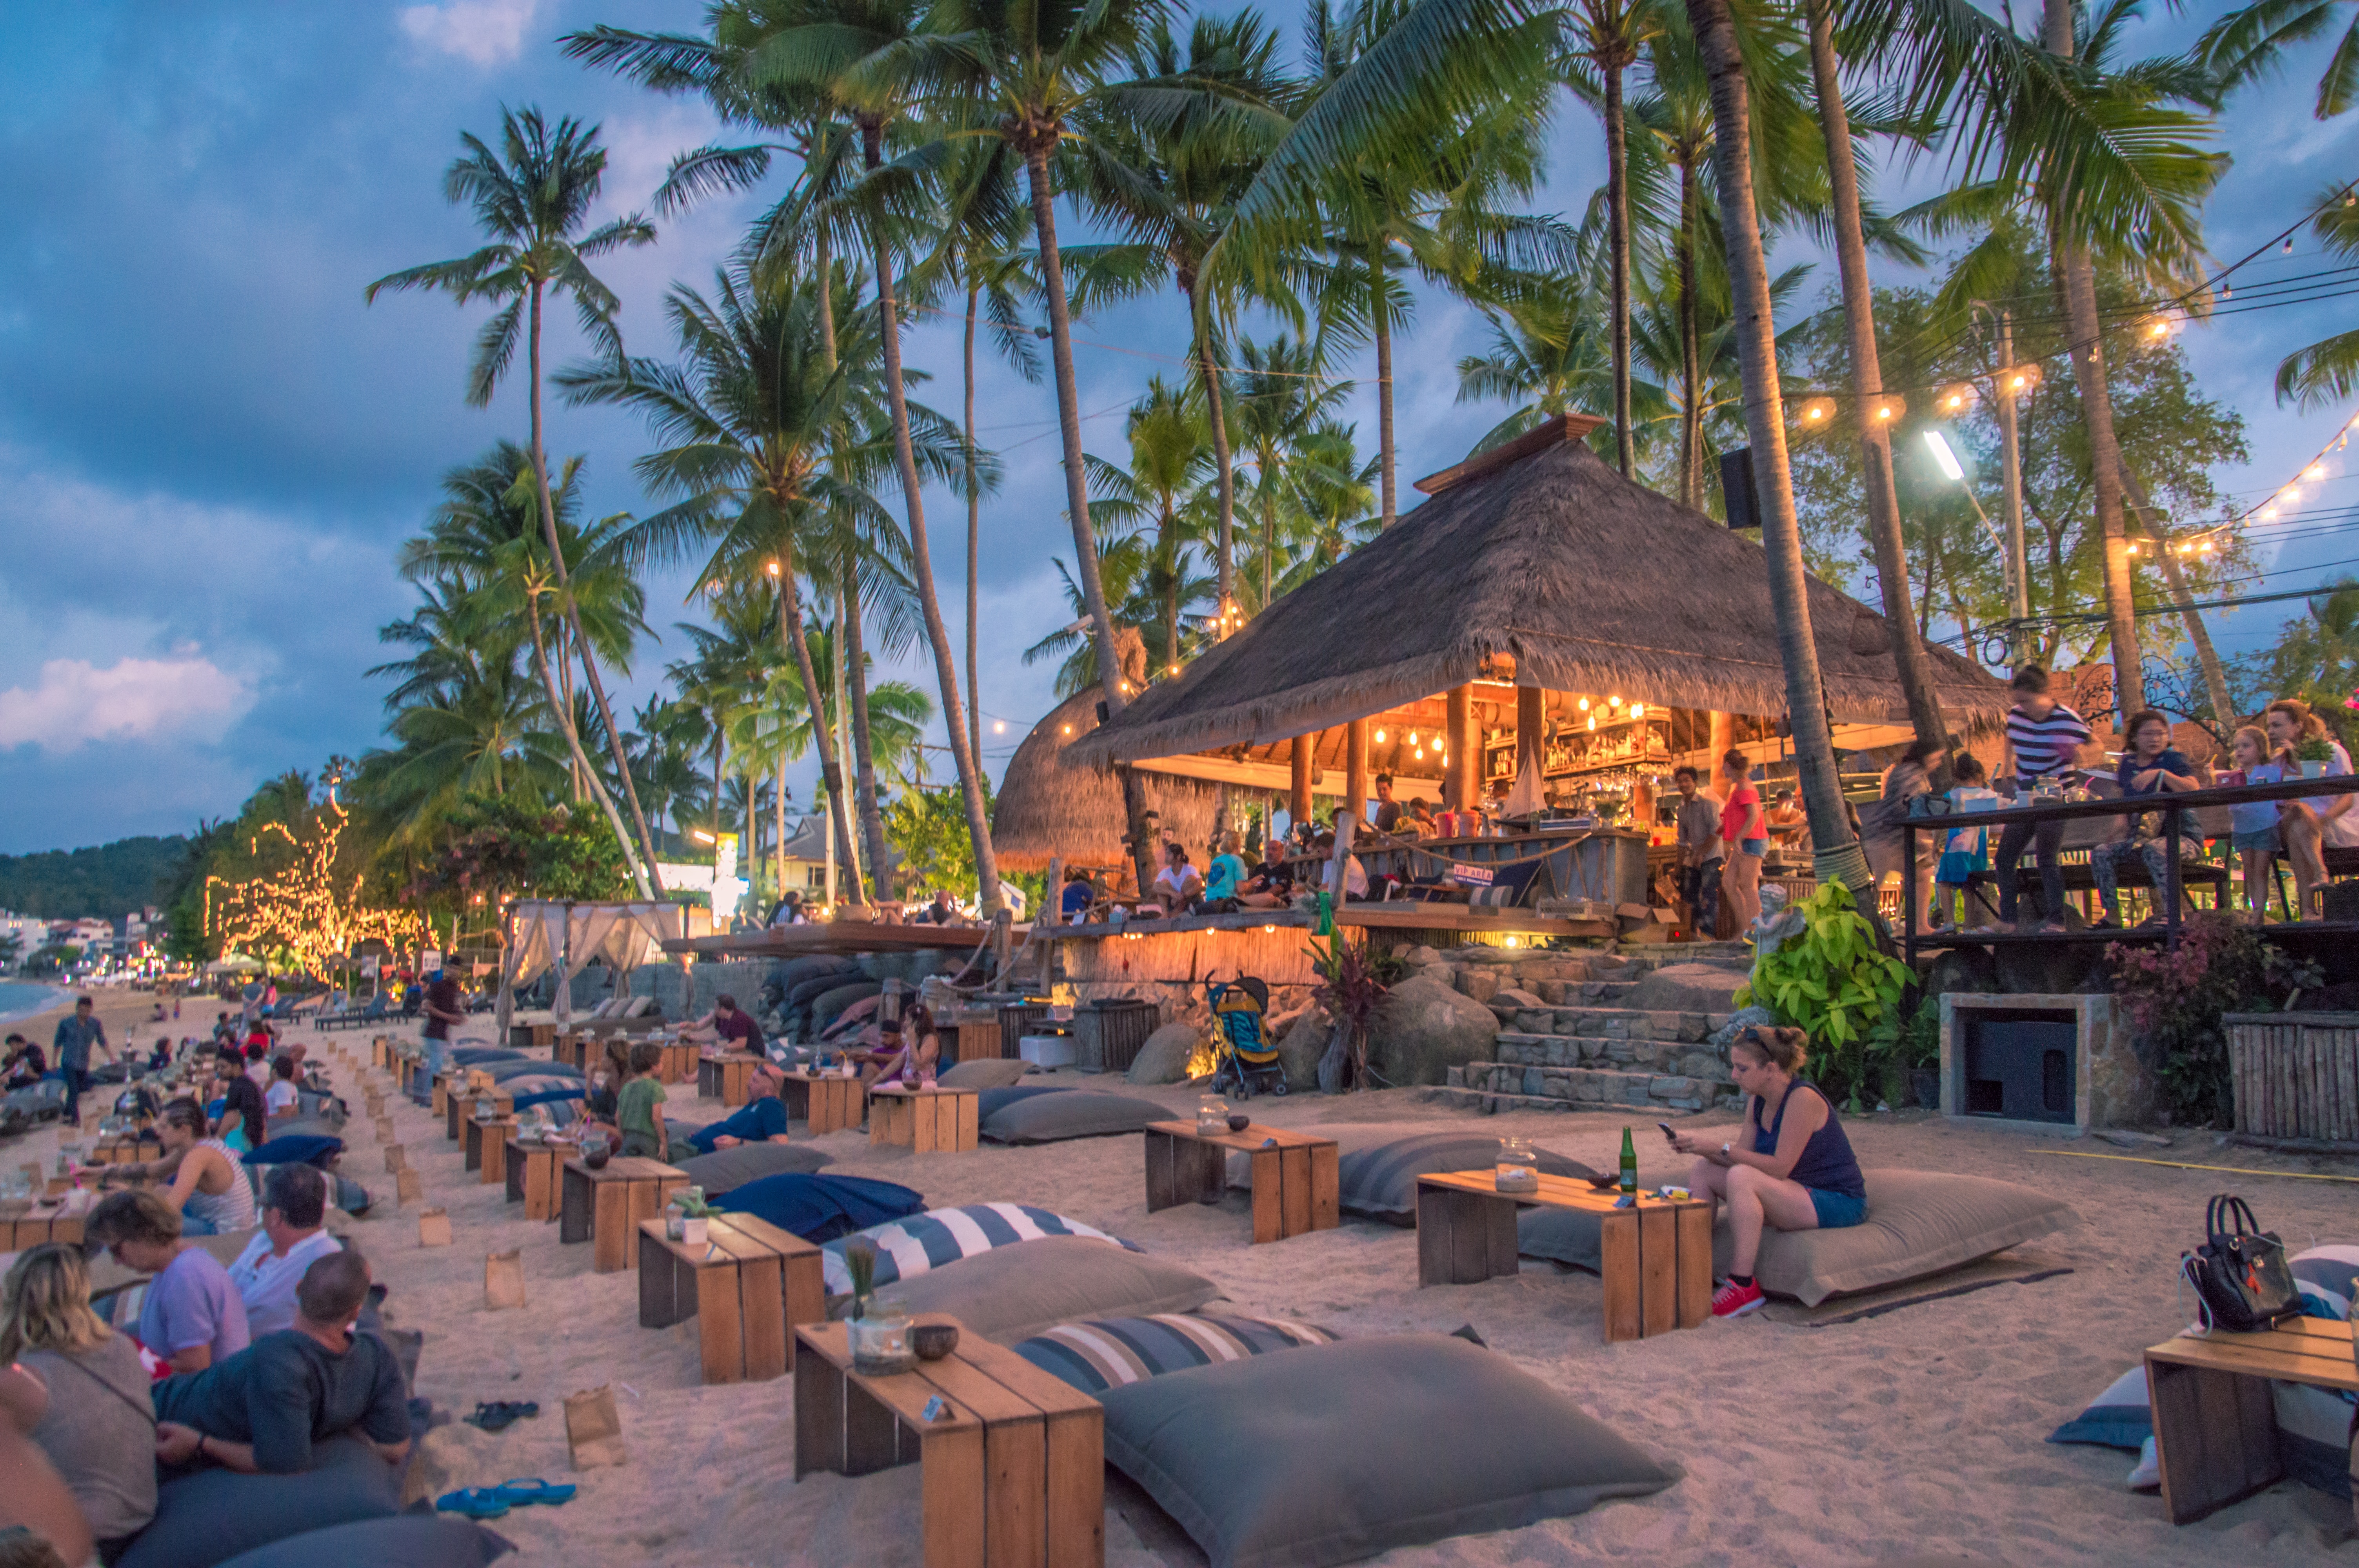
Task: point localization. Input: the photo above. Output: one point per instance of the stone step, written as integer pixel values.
(1580, 1088)
(1616, 1022)
(1692, 1058)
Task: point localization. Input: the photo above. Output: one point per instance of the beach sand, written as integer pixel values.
(1913, 1435)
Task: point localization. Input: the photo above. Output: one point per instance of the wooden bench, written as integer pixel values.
(748, 1284)
(2216, 1425)
(725, 1078)
(1294, 1188)
(924, 1121)
(533, 1173)
(828, 1104)
(604, 1206)
(1656, 1255)
(1012, 1467)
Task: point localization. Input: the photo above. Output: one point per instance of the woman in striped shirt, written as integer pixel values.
(2044, 738)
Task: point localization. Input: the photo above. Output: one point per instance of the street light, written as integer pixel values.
(1945, 459)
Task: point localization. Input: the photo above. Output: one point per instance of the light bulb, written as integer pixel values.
(1412, 736)
(1584, 705)
(2131, 550)
(1380, 737)
(2315, 471)
(2290, 493)
(1593, 721)
(999, 727)
(1068, 728)
(1175, 669)
(1614, 700)
(1637, 710)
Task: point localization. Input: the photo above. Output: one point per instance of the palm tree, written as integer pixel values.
(533, 198)
(2328, 369)
(1283, 396)
(1161, 494)
(1543, 357)
(2247, 43)
(1837, 854)
(1605, 36)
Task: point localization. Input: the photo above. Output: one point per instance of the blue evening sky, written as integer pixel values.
(210, 448)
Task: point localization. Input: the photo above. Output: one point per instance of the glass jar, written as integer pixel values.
(1518, 1169)
(880, 1339)
(1211, 1115)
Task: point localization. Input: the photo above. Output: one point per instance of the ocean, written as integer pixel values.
(20, 999)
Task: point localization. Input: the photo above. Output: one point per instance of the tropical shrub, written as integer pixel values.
(2176, 998)
(1830, 978)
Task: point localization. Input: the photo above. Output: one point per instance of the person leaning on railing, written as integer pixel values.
(2308, 824)
(2152, 765)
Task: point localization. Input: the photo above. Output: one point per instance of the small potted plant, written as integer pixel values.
(2313, 753)
(689, 1218)
(879, 1331)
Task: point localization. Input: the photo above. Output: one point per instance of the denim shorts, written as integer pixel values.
(1837, 1211)
(2263, 842)
(1756, 848)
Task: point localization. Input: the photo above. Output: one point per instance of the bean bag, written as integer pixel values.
(726, 1170)
(985, 1073)
(410, 1541)
(1058, 1115)
(303, 1126)
(821, 1208)
(990, 1102)
(503, 1073)
(830, 1004)
(1345, 1450)
(1918, 1223)
(295, 1149)
(1014, 1293)
(1095, 1357)
(481, 1056)
(939, 1237)
(2313, 1428)
(207, 1517)
(1377, 1166)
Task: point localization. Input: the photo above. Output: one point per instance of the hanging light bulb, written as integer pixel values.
(1380, 737)
(2315, 471)
(1584, 705)
(1614, 700)
(1637, 710)
(2288, 245)
(1957, 398)
(1593, 721)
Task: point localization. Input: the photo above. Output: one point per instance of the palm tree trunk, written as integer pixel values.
(2080, 282)
(1838, 855)
(1617, 224)
(1690, 352)
(648, 878)
(565, 690)
(2207, 657)
(842, 736)
(864, 754)
(1227, 487)
(1867, 386)
(974, 544)
(1077, 497)
(750, 861)
(1268, 532)
(778, 827)
(1384, 333)
(574, 747)
(798, 642)
(921, 563)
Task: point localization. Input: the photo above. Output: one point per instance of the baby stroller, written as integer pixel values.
(1247, 1060)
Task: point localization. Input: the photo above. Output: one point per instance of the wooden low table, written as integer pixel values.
(1656, 1256)
(925, 1121)
(2216, 1425)
(532, 1173)
(488, 1149)
(747, 1284)
(462, 1110)
(724, 1078)
(125, 1148)
(676, 1062)
(604, 1206)
(1293, 1178)
(828, 1104)
(1012, 1470)
(28, 1222)
(573, 1050)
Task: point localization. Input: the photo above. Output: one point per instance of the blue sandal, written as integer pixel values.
(534, 1491)
(475, 1502)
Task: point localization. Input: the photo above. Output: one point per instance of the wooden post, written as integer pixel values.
(1355, 767)
(1531, 722)
(1298, 798)
(1723, 738)
(1465, 752)
(1052, 905)
(1346, 819)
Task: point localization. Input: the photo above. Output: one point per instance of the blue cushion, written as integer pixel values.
(299, 1149)
(821, 1208)
(2121, 1417)
(479, 1055)
(2329, 1280)
(410, 1540)
(212, 1515)
(909, 1247)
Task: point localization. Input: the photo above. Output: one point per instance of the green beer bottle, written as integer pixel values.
(1629, 1166)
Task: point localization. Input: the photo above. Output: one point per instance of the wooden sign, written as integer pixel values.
(433, 1228)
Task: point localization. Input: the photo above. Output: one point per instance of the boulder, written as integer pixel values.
(1440, 975)
(1508, 1001)
(1302, 1046)
(1423, 1030)
(1480, 984)
(1967, 970)
(1419, 956)
(2039, 969)
(1686, 987)
(1163, 1059)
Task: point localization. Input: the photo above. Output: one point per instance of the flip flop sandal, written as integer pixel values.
(475, 1502)
(536, 1490)
(496, 1416)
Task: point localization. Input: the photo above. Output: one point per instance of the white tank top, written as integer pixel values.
(226, 1211)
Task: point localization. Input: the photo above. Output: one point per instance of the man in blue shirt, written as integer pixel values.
(79, 1032)
(761, 1120)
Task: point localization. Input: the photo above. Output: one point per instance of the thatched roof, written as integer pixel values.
(1541, 566)
(1050, 805)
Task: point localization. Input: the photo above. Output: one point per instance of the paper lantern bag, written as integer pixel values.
(594, 1429)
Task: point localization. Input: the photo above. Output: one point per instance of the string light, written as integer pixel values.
(306, 910)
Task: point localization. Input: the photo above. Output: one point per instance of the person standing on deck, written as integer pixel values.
(2043, 740)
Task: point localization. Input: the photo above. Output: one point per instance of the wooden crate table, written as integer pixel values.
(604, 1206)
(748, 1285)
(444, 1083)
(1293, 1178)
(575, 1050)
(829, 1104)
(2215, 1426)
(725, 1078)
(676, 1063)
(1656, 1256)
(531, 1172)
(125, 1148)
(488, 1149)
(29, 1223)
(1012, 1473)
(924, 1121)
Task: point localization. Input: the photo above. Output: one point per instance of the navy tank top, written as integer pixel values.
(1827, 1162)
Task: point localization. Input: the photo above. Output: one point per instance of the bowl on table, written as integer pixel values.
(932, 1341)
(1239, 1121)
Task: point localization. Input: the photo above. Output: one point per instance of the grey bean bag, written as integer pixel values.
(726, 1169)
(1014, 1293)
(985, 1073)
(410, 1541)
(212, 1515)
(830, 1005)
(1058, 1115)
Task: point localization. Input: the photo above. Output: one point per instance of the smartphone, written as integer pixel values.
(1667, 1133)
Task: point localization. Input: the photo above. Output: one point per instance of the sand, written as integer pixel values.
(1913, 1435)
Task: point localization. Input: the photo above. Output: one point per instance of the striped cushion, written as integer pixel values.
(909, 1247)
(1380, 1182)
(1095, 1357)
(2329, 1280)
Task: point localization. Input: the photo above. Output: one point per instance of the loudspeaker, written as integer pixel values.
(1738, 490)
(2020, 1063)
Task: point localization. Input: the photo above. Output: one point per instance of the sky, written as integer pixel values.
(210, 448)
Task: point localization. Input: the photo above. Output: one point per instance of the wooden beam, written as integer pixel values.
(1298, 798)
(1465, 755)
(1355, 766)
(1532, 726)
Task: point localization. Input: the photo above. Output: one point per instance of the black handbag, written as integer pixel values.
(2240, 1274)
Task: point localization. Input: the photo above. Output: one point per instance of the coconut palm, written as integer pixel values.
(1161, 494)
(1282, 396)
(533, 198)
(1545, 356)
(2248, 44)
(2328, 369)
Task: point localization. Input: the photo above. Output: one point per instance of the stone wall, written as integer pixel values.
(2113, 1085)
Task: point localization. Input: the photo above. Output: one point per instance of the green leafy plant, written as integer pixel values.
(1831, 980)
(1352, 985)
(1917, 1042)
(2313, 749)
(859, 1260)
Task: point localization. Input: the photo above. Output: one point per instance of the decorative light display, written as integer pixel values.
(307, 910)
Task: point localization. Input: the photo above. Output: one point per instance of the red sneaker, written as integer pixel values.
(1734, 1300)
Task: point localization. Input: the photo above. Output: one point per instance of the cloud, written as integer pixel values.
(483, 32)
(75, 701)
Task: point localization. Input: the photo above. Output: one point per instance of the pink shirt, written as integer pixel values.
(1736, 811)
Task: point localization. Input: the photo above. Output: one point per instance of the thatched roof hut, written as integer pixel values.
(1049, 805)
(1538, 564)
